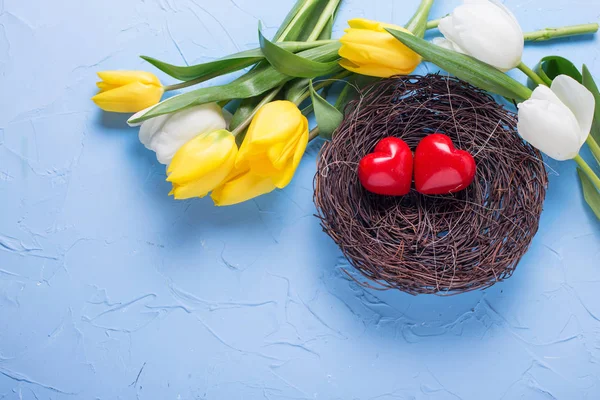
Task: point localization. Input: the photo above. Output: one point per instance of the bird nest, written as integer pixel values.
(423, 244)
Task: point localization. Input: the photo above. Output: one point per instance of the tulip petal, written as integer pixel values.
(241, 188)
(446, 44)
(288, 173)
(579, 100)
(132, 97)
(202, 164)
(552, 128)
(374, 49)
(367, 24)
(486, 31)
(104, 87)
(149, 128)
(201, 156)
(273, 126)
(121, 78)
(369, 70)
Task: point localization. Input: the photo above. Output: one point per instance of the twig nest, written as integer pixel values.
(432, 244)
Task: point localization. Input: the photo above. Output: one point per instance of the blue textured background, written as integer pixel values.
(109, 289)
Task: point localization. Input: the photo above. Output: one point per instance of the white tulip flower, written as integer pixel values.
(165, 134)
(557, 120)
(485, 30)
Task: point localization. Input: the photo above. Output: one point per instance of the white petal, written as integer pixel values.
(545, 93)
(550, 127)
(183, 126)
(579, 100)
(444, 43)
(151, 127)
(487, 32)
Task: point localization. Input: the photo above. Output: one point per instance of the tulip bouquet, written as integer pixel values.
(246, 138)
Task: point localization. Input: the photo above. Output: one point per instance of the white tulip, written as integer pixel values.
(557, 120)
(485, 30)
(165, 134)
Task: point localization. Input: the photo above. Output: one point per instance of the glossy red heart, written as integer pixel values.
(440, 168)
(388, 170)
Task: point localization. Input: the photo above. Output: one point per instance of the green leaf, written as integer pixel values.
(590, 193)
(551, 66)
(254, 83)
(590, 84)
(291, 64)
(328, 117)
(295, 26)
(303, 19)
(232, 63)
(467, 68)
(296, 89)
(328, 30)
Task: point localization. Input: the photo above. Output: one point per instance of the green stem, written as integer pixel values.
(544, 34)
(322, 84)
(565, 31)
(434, 23)
(323, 20)
(531, 74)
(313, 134)
(418, 23)
(594, 147)
(588, 171)
(267, 99)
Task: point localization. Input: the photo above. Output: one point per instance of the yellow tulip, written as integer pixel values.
(202, 164)
(127, 91)
(368, 49)
(269, 155)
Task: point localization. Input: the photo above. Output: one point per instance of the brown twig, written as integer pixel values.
(432, 244)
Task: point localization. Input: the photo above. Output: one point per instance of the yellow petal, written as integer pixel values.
(279, 160)
(201, 156)
(375, 46)
(286, 176)
(274, 122)
(241, 188)
(364, 48)
(130, 98)
(104, 87)
(121, 78)
(274, 130)
(361, 23)
(371, 70)
(206, 183)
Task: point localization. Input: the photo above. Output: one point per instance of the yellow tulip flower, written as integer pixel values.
(269, 156)
(368, 49)
(202, 164)
(127, 91)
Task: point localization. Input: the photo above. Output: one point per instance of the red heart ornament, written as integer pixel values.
(440, 168)
(388, 170)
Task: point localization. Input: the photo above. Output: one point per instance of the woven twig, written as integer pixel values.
(432, 244)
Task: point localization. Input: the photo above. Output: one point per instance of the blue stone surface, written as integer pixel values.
(109, 289)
